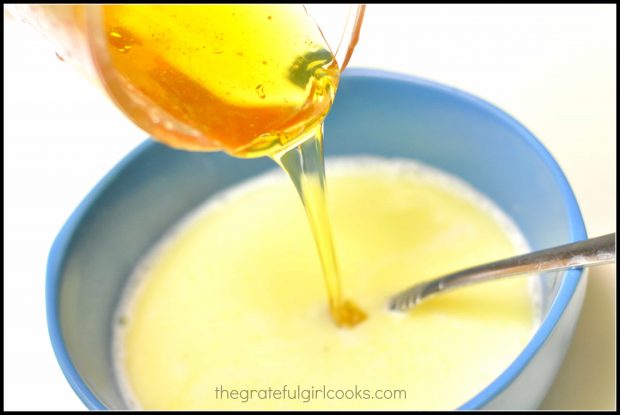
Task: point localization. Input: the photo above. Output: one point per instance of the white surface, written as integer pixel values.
(552, 67)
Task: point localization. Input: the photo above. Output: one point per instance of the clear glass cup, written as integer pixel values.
(79, 38)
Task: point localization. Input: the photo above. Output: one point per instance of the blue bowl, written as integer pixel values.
(376, 113)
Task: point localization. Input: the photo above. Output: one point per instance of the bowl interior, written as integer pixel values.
(374, 114)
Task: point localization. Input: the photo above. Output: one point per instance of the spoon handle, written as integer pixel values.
(595, 251)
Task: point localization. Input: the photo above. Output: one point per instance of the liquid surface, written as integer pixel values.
(232, 298)
(246, 79)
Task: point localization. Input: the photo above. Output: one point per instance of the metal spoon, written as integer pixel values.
(595, 251)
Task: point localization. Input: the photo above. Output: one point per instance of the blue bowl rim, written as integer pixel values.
(567, 288)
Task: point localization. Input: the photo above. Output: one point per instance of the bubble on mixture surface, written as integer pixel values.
(535, 287)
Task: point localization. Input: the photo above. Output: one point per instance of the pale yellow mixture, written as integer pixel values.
(234, 299)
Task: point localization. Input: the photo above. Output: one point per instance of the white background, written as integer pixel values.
(552, 67)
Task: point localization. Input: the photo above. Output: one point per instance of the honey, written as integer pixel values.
(252, 80)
